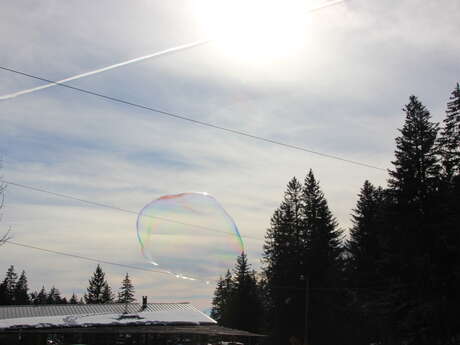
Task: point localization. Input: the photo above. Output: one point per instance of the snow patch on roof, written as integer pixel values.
(190, 316)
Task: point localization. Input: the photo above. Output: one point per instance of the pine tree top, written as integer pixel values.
(449, 140)
(98, 290)
(415, 165)
(73, 299)
(126, 293)
(242, 269)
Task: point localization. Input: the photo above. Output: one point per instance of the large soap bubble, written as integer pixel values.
(190, 235)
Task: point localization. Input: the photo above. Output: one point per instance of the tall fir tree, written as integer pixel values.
(40, 297)
(126, 293)
(246, 304)
(221, 310)
(98, 291)
(21, 291)
(302, 248)
(364, 245)
(237, 299)
(8, 287)
(446, 258)
(320, 227)
(73, 299)
(3, 294)
(54, 296)
(283, 245)
(449, 140)
(107, 294)
(364, 254)
(412, 227)
(416, 168)
(218, 301)
(323, 264)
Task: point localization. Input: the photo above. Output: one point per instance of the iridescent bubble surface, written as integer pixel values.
(190, 235)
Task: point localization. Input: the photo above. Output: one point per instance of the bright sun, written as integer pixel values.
(257, 30)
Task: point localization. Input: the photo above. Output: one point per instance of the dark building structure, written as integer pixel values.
(114, 324)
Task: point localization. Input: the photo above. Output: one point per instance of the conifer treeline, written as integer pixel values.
(15, 291)
(394, 279)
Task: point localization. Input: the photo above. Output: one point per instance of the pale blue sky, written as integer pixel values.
(340, 94)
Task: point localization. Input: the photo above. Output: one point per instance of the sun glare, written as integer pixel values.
(255, 30)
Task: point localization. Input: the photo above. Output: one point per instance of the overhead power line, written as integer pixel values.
(107, 68)
(196, 122)
(82, 257)
(125, 210)
(86, 258)
(175, 49)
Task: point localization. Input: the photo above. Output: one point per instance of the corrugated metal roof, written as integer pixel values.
(22, 311)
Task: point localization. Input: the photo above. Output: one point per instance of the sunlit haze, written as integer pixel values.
(256, 30)
(332, 81)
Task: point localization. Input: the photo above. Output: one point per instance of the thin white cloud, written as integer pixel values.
(175, 49)
(341, 94)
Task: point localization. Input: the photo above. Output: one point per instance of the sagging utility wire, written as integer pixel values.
(187, 118)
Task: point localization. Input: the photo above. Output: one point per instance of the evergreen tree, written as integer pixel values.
(73, 299)
(449, 141)
(8, 287)
(3, 295)
(33, 297)
(98, 290)
(364, 254)
(363, 245)
(54, 296)
(107, 295)
(416, 170)
(40, 297)
(322, 265)
(246, 306)
(126, 293)
(446, 257)
(221, 302)
(237, 300)
(265, 300)
(303, 248)
(21, 292)
(412, 228)
(284, 243)
(321, 228)
(218, 301)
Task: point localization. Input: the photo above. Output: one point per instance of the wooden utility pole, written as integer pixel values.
(307, 301)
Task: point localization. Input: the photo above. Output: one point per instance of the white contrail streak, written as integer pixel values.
(107, 68)
(327, 4)
(145, 57)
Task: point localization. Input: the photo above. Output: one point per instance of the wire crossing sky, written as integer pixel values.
(81, 257)
(176, 49)
(107, 68)
(335, 86)
(116, 208)
(198, 122)
(86, 258)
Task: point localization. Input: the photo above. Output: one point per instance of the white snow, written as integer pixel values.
(141, 318)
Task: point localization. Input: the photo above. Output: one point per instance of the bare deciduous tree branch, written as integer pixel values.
(5, 237)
